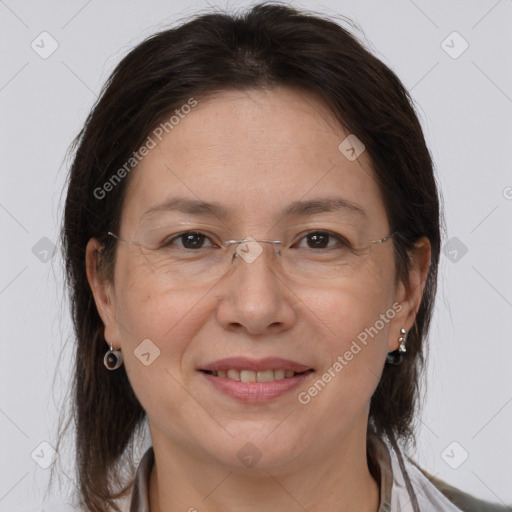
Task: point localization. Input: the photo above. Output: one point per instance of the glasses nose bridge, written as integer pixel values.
(249, 249)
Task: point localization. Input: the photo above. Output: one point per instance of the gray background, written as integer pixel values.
(465, 103)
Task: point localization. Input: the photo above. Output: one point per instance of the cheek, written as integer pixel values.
(358, 302)
(358, 323)
(356, 320)
(156, 323)
(146, 306)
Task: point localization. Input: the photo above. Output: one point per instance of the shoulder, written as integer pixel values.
(401, 475)
(466, 502)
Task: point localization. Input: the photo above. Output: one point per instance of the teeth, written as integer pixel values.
(251, 376)
(247, 376)
(279, 374)
(233, 374)
(265, 376)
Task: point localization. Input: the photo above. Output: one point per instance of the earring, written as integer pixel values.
(396, 357)
(113, 359)
(402, 340)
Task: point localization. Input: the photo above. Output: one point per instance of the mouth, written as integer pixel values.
(251, 380)
(269, 375)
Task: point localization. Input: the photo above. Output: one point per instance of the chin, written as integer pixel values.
(259, 448)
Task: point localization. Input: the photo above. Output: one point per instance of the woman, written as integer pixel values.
(252, 238)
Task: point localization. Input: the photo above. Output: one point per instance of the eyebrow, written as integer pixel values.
(295, 209)
(322, 205)
(191, 207)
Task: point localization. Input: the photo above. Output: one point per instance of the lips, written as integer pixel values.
(252, 376)
(255, 365)
(255, 380)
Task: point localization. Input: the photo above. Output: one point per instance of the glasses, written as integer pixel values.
(194, 256)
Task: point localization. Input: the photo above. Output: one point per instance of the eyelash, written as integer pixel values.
(342, 241)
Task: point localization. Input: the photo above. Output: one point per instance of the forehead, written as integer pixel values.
(255, 152)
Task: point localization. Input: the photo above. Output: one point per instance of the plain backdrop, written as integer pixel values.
(453, 56)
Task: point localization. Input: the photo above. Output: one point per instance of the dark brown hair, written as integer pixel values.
(269, 45)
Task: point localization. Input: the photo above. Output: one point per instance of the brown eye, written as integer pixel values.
(318, 240)
(322, 240)
(188, 240)
(193, 240)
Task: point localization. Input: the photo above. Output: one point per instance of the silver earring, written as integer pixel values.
(396, 357)
(113, 359)
(402, 340)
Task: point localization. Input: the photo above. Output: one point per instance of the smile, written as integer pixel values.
(253, 376)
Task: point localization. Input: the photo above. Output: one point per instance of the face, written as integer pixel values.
(255, 153)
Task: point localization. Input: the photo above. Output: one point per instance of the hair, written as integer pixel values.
(268, 45)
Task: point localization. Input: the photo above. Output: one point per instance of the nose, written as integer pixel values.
(255, 299)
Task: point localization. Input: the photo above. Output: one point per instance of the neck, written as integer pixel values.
(337, 480)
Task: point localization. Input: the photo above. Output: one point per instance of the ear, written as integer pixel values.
(103, 292)
(409, 295)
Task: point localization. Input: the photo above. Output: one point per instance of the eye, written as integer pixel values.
(323, 239)
(188, 240)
